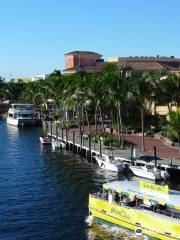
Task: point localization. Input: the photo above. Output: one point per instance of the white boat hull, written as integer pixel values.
(21, 122)
(110, 166)
(145, 174)
(45, 140)
(58, 145)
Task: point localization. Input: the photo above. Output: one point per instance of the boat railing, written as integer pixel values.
(140, 206)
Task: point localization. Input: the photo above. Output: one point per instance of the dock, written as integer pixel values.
(86, 146)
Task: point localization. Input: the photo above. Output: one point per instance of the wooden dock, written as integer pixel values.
(86, 146)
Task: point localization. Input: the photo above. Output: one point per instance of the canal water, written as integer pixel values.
(44, 194)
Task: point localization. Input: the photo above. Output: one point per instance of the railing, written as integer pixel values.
(152, 209)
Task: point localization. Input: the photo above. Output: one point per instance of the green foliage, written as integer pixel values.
(96, 137)
(110, 89)
(56, 117)
(109, 139)
(70, 124)
(174, 125)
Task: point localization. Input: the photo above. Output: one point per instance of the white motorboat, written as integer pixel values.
(58, 144)
(21, 115)
(111, 163)
(148, 170)
(46, 140)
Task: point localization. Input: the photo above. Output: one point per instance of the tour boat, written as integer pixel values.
(148, 170)
(46, 140)
(21, 115)
(111, 163)
(58, 144)
(142, 207)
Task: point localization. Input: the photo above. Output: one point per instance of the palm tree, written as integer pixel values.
(117, 89)
(142, 89)
(14, 90)
(174, 125)
(175, 88)
(164, 92)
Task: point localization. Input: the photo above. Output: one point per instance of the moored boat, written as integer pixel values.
(148, 208)
(148, 170)
(111, 163)
(46, 140)
(21, 115)
(58, 144)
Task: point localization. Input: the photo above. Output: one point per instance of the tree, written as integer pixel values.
(174, 125)
(168, 90)
(175, 88)
(142, 89)
(14, 90)
(117, 89)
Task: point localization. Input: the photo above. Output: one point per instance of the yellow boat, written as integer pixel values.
(143, 207)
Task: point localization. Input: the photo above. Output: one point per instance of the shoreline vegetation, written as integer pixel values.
(108, 97)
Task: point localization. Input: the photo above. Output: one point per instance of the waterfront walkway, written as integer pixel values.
(164, 150)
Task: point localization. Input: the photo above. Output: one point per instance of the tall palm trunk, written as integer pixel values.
(87, 119)
(111, 114)
(169, 107)
(79, 120)
(82, 117)
(120, 125)
(142, 127)
(102, 120)
(96, 119)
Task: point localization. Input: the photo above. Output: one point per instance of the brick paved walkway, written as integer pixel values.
(164, 150)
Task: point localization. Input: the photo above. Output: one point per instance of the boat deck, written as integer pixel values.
(166, 215)
(173, 198)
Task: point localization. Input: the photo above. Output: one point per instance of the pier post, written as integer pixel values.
(73, 141)
(62, 134)
(82, 139)
(154, 153)
(131, 150)
(67, 145)
(56, 131)
(100, 146)
(66, 135)
(47, 126)
(80, 142)
(90, 146)
(51, 127)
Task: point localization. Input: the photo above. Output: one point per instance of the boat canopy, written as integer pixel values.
(147, 191)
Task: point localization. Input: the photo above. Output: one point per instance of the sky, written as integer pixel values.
(35, 34)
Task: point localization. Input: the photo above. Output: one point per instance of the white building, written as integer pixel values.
(40, 77)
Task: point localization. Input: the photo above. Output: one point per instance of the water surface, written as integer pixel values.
(44, 193)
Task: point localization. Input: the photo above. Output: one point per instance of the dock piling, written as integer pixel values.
(73, 141)
(100, 147)
(90, 147)
(154, 153)
(62, 134)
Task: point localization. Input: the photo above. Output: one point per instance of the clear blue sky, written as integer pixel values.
(35, 34)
